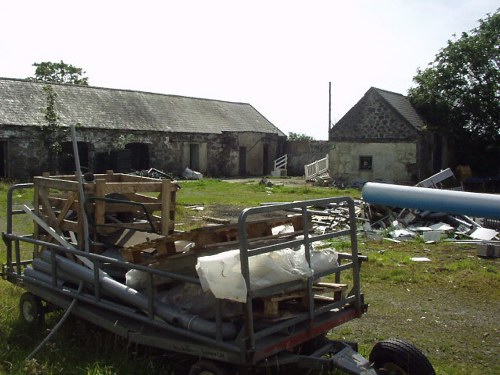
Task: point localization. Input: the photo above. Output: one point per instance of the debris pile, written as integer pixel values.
(445, 216)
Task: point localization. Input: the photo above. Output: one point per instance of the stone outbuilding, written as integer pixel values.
(127, 130)
(382, 138)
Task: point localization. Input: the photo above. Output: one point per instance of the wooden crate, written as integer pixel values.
(56, 200)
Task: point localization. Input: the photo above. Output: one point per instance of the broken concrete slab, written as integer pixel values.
(484, 234)
(488, 250)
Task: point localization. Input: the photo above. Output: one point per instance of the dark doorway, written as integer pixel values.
(3, 159)
(243, 161)
(67, 157)
(265, 160)
(194, 157)
(139, 156)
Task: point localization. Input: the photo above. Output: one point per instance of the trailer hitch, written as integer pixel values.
(337, 355)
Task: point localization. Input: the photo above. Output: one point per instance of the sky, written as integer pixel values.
(279, 56)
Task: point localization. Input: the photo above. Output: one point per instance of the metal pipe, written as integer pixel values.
(437, 200)
(133, 297)
(79, 178)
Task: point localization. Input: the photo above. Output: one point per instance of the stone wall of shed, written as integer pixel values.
(301, 153)
(24, 153)
(372, 119)
(219, 154)
(391, 162)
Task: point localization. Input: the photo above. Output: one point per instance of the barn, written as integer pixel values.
(126, 130)
(383, 138)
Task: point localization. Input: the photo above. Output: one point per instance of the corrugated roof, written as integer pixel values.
(104, 108)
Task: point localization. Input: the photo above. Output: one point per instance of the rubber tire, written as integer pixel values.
(205, 367)
(399, 357)
(31, 310)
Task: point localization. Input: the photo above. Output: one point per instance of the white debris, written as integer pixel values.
(484, 234)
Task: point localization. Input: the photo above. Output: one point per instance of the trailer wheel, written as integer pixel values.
(204, 367)
(31, 309)
(399, 357)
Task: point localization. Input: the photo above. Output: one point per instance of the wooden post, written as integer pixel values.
(100, 205)
(166, 187)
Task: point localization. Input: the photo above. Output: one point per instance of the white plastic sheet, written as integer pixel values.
(221, 273)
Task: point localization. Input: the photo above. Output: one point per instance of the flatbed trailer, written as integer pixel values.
(283, 323)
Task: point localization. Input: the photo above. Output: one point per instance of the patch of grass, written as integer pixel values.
(213, 192)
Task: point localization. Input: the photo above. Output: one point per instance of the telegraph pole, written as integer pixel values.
(329, 107)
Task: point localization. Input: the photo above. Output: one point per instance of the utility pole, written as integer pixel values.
(329, 107)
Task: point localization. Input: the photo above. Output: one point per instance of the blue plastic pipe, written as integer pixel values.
(435, 200)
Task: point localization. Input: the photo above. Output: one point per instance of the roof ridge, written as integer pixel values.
(27, 80)
(400, 111)
(389, 92)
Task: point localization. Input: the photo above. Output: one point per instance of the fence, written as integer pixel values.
(316, 168)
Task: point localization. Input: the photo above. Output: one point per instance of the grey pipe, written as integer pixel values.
(436, 200)
(114, 288)
(42, 276)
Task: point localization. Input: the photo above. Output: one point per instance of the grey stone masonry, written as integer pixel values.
(380, 116)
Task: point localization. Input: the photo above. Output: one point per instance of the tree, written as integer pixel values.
(59, 73)
(52, 133)
(459, 94)
(299, 137)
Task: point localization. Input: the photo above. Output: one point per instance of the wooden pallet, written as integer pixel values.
(279, 304)
(57, 201)
(214, 238)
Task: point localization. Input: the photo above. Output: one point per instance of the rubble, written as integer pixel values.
(396, 224)
(189, 174)
(452, 225)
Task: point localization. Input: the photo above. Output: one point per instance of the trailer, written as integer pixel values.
(265, 291)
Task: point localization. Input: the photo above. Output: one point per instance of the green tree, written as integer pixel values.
(52, 134)
(459, 94)
(59, 72)
(299, 137)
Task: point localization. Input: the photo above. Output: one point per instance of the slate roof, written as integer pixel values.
(403, 106)
(379, 116)
(104, 108)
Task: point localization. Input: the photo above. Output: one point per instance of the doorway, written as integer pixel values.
(243, 161)
(194, 157)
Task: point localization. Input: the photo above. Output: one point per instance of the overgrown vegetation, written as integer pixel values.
(447, 307)
(458, 94)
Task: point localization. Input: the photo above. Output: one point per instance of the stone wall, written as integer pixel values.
(25, 155)
(392, 162)
(372, 119)
(301, 153)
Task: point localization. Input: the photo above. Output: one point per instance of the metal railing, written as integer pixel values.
(316, 168)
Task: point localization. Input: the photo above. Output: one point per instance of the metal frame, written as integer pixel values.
(255, 342)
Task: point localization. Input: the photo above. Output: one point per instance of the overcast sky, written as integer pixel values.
(279, 56)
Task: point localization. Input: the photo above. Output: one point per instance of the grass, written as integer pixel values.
(448, 307)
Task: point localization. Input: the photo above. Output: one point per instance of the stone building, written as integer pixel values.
(382, 138)
(129, 130)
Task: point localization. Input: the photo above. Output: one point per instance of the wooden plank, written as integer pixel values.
(166, 189)
(46, 207)
(54, 183)
(271, 304)
(99, 205)
(129, 187)
(65, 208)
